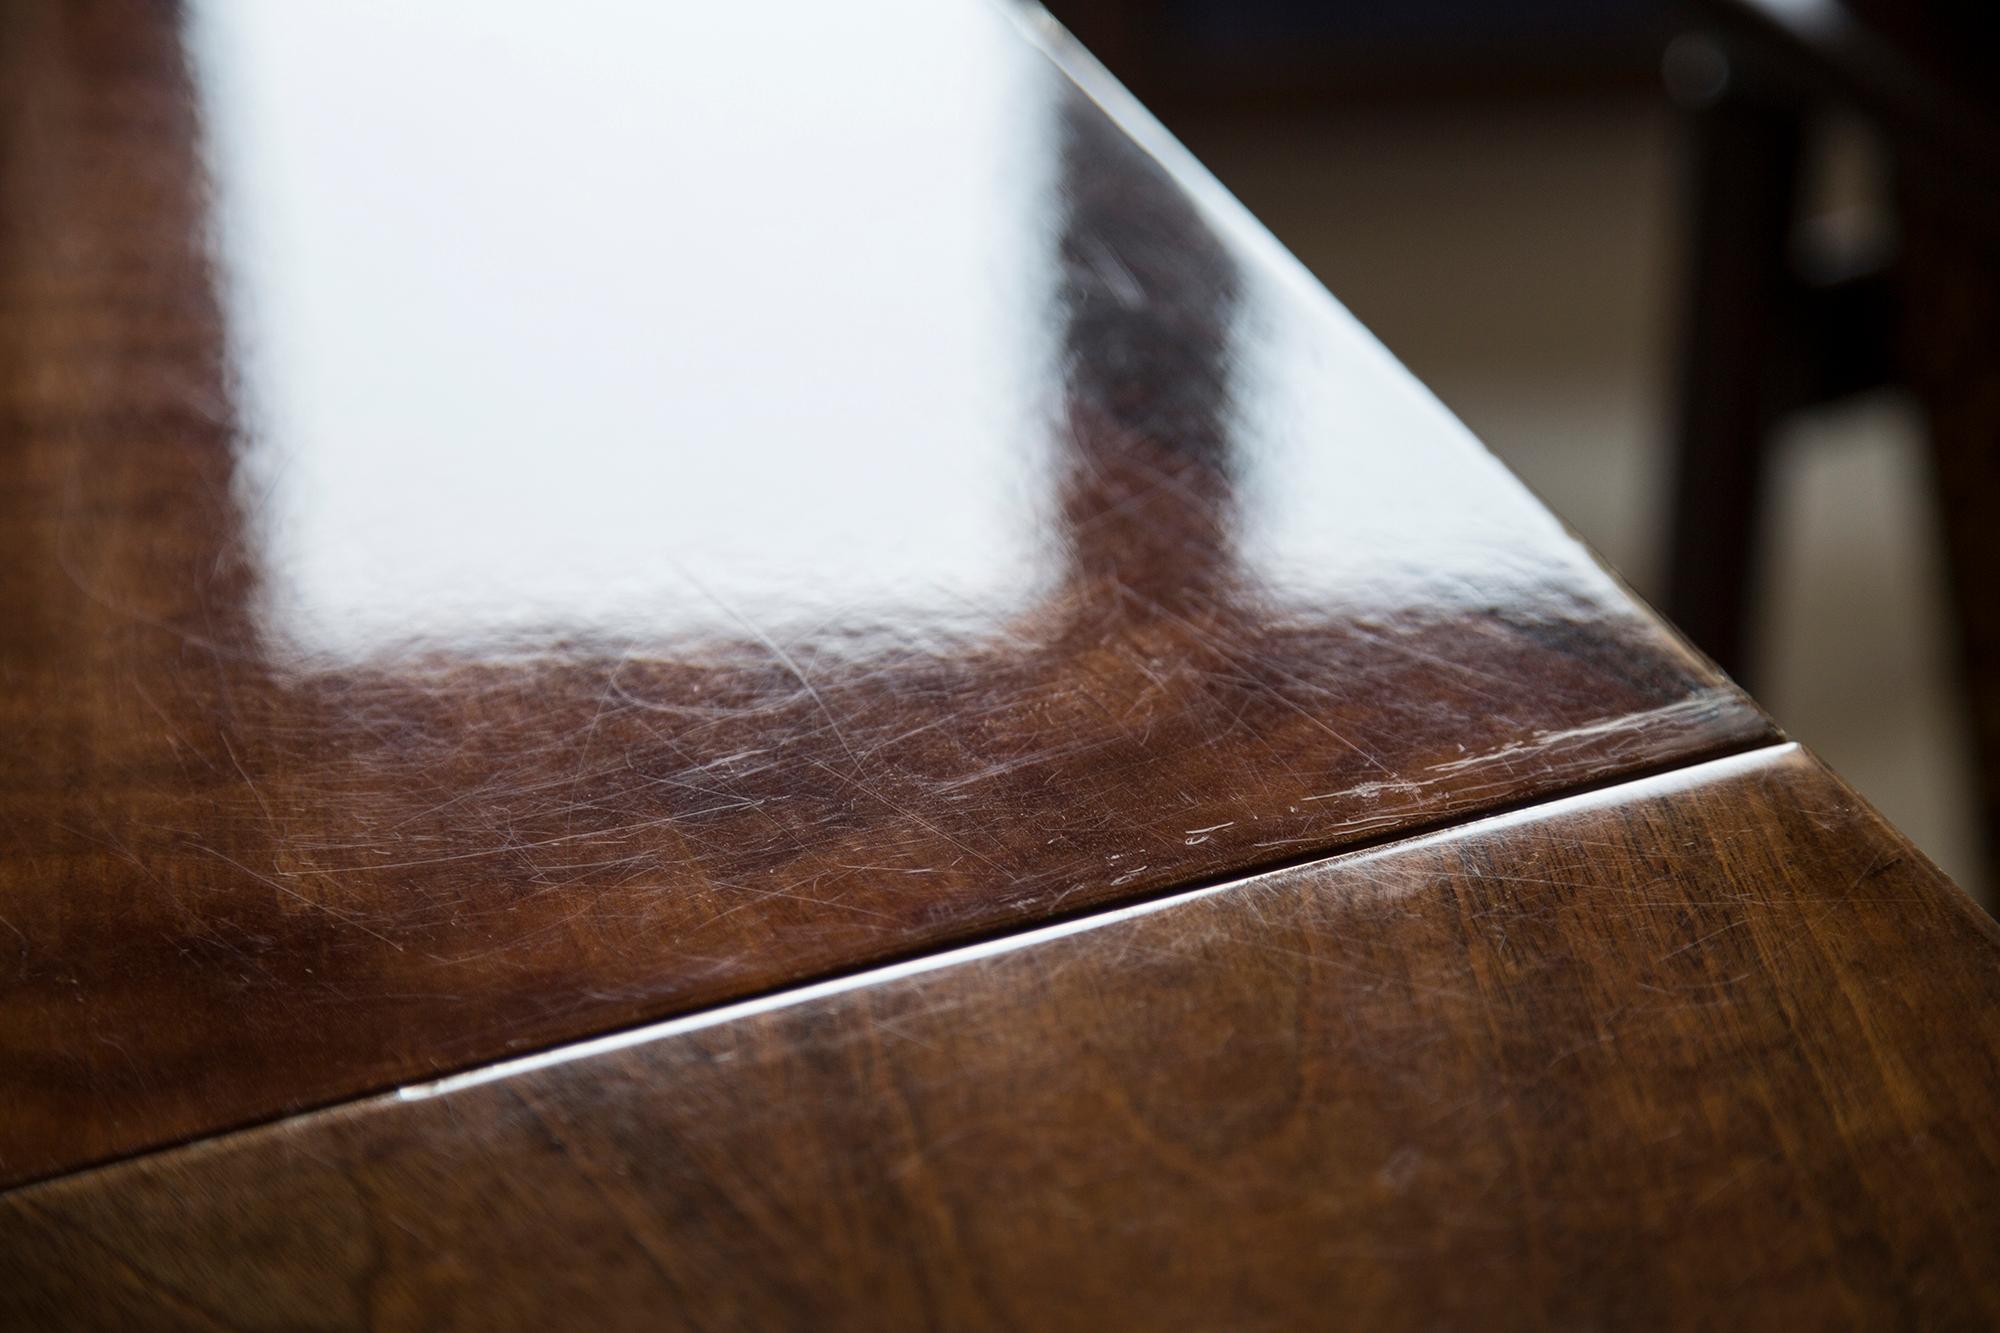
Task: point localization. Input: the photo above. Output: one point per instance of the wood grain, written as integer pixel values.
(502, 539)
(1713, 1049)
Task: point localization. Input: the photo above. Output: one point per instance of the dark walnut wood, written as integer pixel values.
(512, 534)
(1716, 1048)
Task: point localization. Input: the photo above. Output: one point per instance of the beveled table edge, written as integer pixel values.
(1661, 783)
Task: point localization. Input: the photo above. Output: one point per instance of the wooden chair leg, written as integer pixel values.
(1743, 163)
(1951, 327)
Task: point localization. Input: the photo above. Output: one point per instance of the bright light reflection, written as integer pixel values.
(580, 321)
(1366, 493)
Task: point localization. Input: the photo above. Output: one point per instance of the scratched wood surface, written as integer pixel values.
(507, 533)
(1713, 1049)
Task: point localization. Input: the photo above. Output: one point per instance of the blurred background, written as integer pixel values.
(1498, 192)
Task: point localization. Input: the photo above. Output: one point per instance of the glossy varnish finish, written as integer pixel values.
(1714, 1049)
(513, 530)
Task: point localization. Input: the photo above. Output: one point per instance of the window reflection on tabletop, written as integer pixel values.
(523, 529)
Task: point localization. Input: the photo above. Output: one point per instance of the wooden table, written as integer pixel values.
(764, 666)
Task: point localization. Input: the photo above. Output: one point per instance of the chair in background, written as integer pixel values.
(1774, 323)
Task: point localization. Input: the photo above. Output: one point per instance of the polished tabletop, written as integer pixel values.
(762, 666)
(517, 528)
(1710, 1049)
